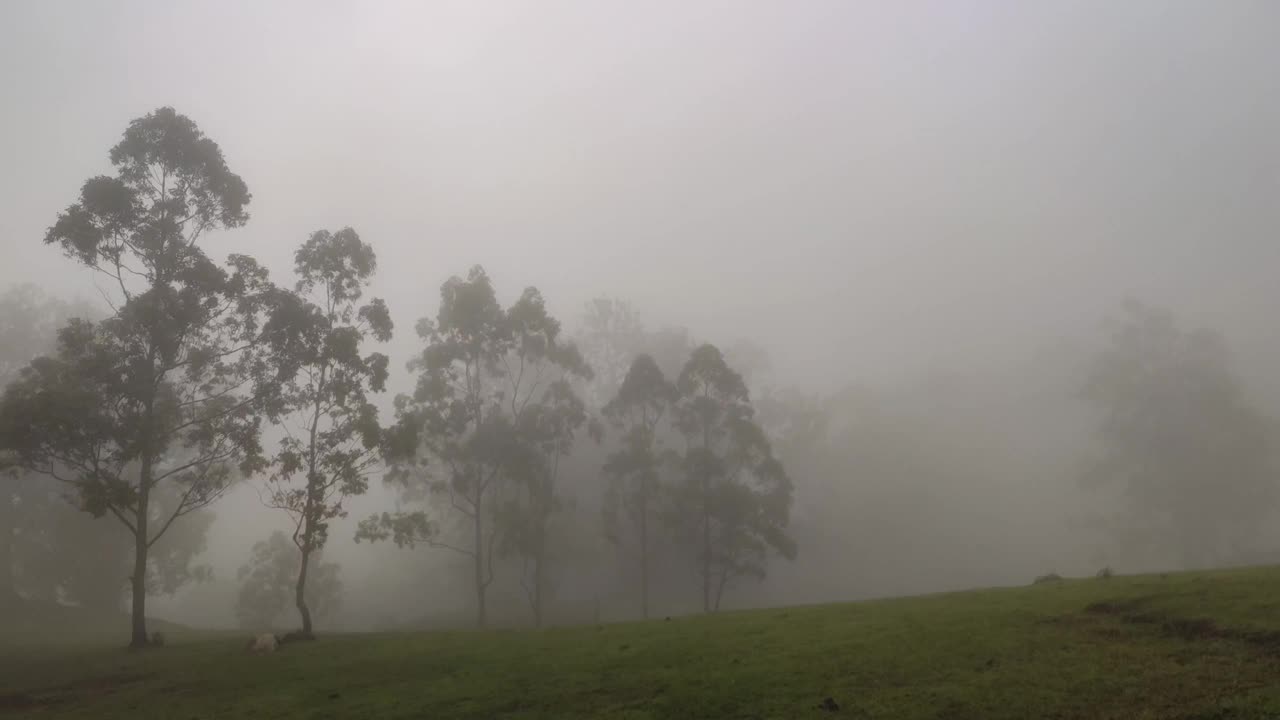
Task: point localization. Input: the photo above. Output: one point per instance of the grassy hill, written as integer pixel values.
(1202, 645)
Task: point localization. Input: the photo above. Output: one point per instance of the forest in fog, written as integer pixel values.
(449, 344)
(538, 471)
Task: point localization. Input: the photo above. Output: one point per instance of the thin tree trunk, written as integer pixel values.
(644, 553)
(8, 587)
(141, 536)
(706, 558)
(724, 580)
(310, 510)
(481, 618)
(300, 593)
(138, 582)
(8, 523)
(706, 520)
(537, 590)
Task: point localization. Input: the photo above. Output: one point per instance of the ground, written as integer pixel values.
(1202, 645)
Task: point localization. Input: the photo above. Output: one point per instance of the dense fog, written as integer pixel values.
(997, 278)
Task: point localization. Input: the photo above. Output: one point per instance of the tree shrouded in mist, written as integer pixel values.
(610, 336)
(734, 498)
(164, 390)
(492, 411)
(268, 584)
(332, 436)
(1194, 460)
(546, 415)
(29, 321)
(634, 468)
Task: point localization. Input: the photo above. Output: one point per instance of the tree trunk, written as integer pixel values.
(706, 521)
(138, 583)
(8, 588)
(644, 554)
(537, 590)
(706, 545)
(8, 584)
(141, 536)
(300, 594)
(479, 565)
(706, 561)
(724, 580)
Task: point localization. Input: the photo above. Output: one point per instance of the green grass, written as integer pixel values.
(1203, 645)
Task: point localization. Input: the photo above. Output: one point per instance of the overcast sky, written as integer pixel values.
(867, 188)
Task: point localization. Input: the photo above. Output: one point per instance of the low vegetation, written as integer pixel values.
(1196, 645)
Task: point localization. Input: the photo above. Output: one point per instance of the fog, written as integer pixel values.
(924, 213)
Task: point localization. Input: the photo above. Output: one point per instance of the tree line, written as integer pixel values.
(204, 374)
(169, 396)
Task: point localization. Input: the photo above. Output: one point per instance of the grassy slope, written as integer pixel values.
(1120, 648)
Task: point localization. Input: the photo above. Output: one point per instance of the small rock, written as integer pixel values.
(830, 705)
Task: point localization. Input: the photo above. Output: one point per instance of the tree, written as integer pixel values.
(166, 390)
(1193, 459)
(736, 496)
(454, 418)
(479, 373)
(29, 320)
(64, 555)
(269, 581)
(546, 417)
(333, 437)
(610, 336)
(633, 469)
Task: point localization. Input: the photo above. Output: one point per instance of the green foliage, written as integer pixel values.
(268, 582)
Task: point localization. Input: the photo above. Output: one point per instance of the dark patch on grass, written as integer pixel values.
(1116, 607)
(17, 701)
(1190, 629)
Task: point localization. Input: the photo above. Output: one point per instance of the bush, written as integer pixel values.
(1106, 573)
(1045, 579)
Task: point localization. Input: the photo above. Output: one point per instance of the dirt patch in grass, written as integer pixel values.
(1191, 629)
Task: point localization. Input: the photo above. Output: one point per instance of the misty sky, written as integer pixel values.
(867, 188)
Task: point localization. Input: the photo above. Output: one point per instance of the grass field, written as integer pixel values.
(1203, 645)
